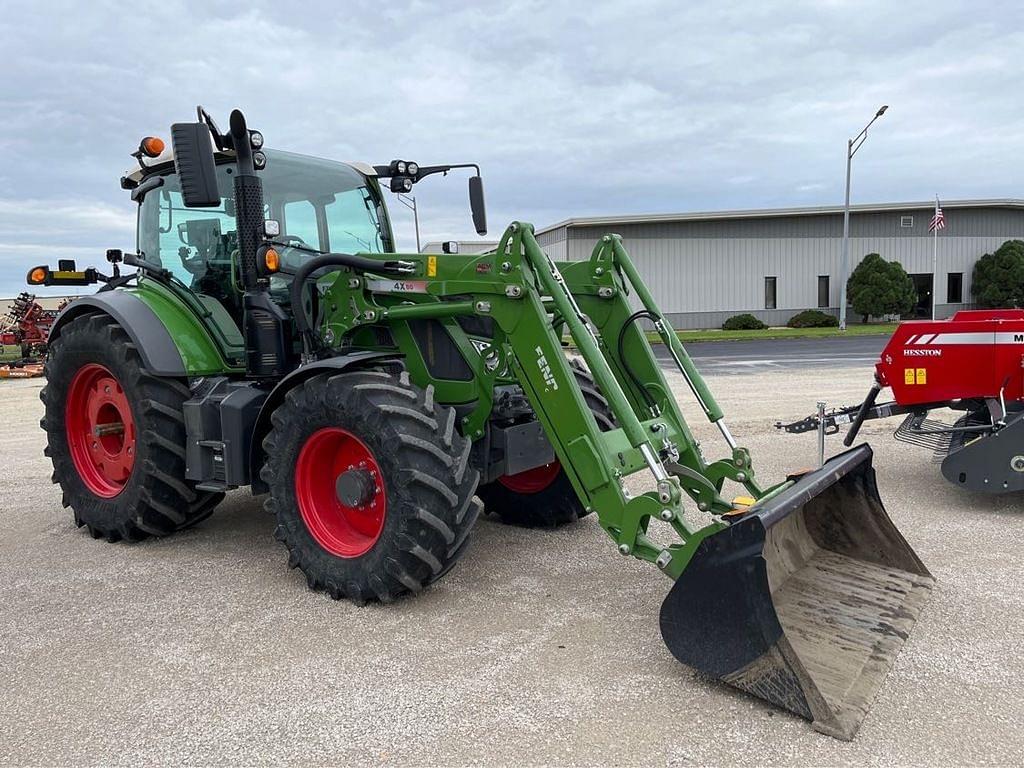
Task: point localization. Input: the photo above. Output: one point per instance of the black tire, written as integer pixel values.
(429, 507)
(156, 499)
(557, 503)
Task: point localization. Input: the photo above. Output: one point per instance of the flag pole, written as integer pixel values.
(935, 260)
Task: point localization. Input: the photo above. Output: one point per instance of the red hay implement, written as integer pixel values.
(973, 364)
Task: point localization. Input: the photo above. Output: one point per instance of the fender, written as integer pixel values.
(159, 353)
(293, 379)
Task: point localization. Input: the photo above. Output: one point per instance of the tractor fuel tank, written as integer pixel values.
(974, 354)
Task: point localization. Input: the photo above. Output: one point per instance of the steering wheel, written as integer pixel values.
(195, 263)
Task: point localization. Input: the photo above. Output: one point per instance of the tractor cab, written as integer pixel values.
(320, 205)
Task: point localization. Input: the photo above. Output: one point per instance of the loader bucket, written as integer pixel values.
(806, 600)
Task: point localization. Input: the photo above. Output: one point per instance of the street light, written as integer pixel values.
(851, 149)
(410, 202)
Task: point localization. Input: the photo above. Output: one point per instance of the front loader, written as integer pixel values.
(270, 337)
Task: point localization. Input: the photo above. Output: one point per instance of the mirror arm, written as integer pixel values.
(147, 185)
(137, 261)
(384, 171)
(219, 140)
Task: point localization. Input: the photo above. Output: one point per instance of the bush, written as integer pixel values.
(998, 278)
(879, 287)
(744, 322)
(813, 318)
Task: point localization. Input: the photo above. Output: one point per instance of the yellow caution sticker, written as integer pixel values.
(431, 266)
(922, 376)
(908, 375)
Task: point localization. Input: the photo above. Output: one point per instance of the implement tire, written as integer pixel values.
(543, 497)
(370, 483)
(128, 482)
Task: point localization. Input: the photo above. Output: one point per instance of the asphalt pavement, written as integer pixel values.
(760, 356)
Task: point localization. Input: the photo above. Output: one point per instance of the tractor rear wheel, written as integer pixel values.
(543, 497)
(116, 436)
(370, 484)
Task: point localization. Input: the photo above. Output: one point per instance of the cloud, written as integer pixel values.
(615, 108)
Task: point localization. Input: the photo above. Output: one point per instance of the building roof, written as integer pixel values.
(768, 213)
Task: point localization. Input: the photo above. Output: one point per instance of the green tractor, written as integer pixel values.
(270, 337)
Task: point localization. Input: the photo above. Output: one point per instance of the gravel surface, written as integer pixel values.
(539, 647)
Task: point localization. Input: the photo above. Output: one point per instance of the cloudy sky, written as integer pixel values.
(620, 107)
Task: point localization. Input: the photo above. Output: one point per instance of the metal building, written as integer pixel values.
(459, 246)
(705, 267)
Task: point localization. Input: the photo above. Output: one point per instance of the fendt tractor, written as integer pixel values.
(971, 364)
(269, 337)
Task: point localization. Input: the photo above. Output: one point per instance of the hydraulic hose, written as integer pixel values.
(335, 261)
(625, 363)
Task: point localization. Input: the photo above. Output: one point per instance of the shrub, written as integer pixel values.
(813, 318)
(998, 278)
(744, 322)
(879, 287)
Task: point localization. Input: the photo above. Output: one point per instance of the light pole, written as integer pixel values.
(851, 149)
(410, 202)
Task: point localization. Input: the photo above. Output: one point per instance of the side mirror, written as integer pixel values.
(193, 160)
(476, 204)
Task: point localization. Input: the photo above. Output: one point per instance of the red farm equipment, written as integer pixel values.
(24, 332)
(973, 364)
(27, 325)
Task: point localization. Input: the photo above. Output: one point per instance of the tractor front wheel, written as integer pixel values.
(116, 436)
(543, 497)
(370, 484)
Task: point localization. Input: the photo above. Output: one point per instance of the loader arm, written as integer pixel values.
(653, 441)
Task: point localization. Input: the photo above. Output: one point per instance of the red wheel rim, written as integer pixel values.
(100, 430)
(341, 529)
(532, 480)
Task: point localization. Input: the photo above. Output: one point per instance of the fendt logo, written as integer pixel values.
(922, 353)
(545, 369)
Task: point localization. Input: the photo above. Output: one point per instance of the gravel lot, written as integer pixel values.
(539, 648)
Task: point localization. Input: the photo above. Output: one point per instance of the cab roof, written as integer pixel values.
(165, 160)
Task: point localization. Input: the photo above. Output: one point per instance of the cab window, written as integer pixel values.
(300, 222)
(352, 223)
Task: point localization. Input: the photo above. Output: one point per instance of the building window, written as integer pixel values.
(769, 293)
(955, 288)
(823, 291)
(906, 221)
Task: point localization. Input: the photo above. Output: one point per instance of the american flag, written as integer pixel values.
(938, 220)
